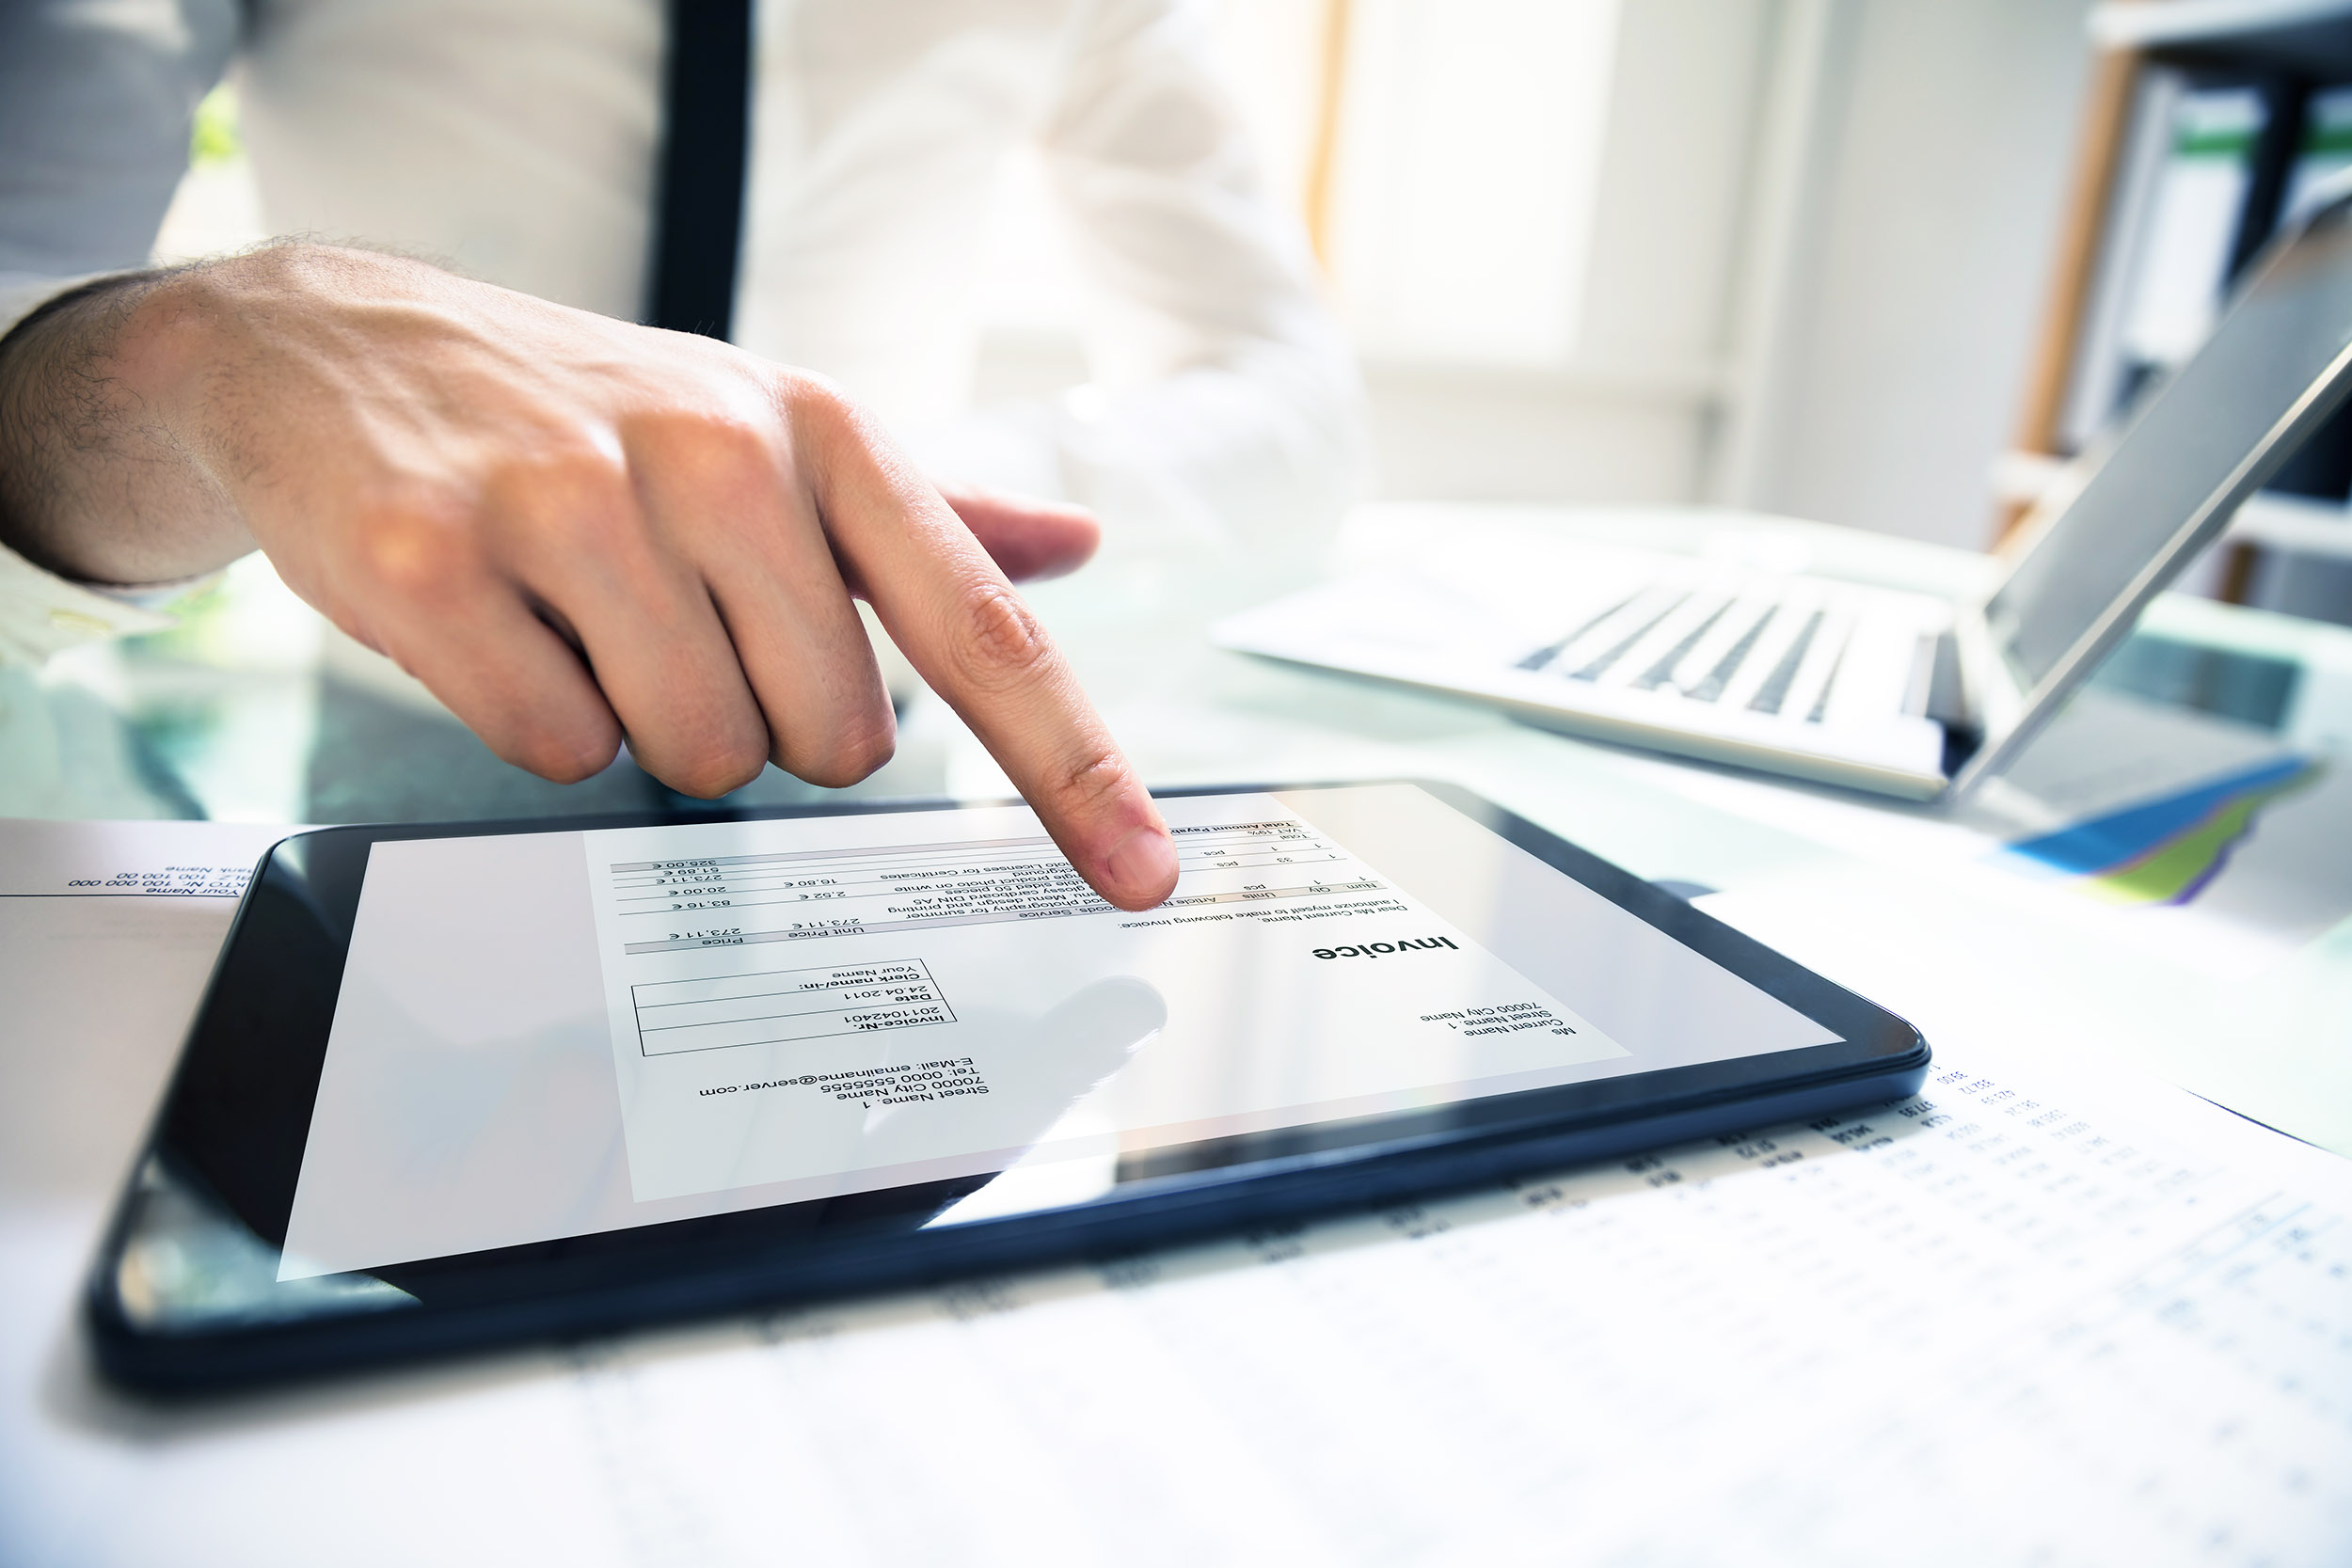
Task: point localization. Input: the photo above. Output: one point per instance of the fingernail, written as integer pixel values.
(1142, 866)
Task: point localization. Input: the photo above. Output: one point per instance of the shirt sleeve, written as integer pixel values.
(96, 105)
(40, 613)
(1227, 404)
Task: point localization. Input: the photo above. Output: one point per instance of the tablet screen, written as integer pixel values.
(547, 1035)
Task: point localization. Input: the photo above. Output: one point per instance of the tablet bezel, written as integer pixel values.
(236, 1117)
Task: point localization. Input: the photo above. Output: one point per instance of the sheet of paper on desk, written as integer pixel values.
(2212, 842)
(106, 932)
(2027, 1316)
(2200, 842)
(1985, 1324)
(158, 858)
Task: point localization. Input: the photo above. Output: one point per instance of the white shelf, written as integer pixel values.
(2301, 527)
(2156, 24)
(2275, 521)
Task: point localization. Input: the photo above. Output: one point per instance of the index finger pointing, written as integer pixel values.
(960, 623)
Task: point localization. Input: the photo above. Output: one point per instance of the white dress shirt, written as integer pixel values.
(517, 140)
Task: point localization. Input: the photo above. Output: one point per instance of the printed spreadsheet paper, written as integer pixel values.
(2022, 1317)
(2011, 1320)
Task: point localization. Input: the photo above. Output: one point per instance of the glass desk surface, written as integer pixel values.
(252, 709)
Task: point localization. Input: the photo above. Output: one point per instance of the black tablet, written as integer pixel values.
(453, 1086)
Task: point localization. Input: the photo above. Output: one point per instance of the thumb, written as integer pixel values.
(1029, 539)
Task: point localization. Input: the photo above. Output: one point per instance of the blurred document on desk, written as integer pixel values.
(106, 932)
(211, 860)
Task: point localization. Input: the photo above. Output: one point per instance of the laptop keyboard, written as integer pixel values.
(1774, 647)
(1692, 653)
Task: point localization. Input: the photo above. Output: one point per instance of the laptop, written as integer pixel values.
(1903, 694)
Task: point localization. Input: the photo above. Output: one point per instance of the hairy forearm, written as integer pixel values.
(96, 483)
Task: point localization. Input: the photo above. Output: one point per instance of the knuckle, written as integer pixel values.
(715, 767)
(733, 452)
(1100, 777)
(857, 752)
(812, 396)
(823, 419)
(564, 756)
(730, 465)
(412, 554)
(714, 435)
(1002, 645)
(574, 501)
(709, 778)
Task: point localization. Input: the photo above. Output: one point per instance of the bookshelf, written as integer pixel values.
(2207, 126)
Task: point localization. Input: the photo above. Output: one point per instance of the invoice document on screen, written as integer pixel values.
(934, 994)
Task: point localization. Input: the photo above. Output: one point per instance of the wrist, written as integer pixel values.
(96, 483)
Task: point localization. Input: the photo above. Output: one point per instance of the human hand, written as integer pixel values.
(570, 529)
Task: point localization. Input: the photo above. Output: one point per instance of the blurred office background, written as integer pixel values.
(1867, 261)
(1781, 254)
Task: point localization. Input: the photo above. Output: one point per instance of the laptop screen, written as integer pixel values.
(2279, 343)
